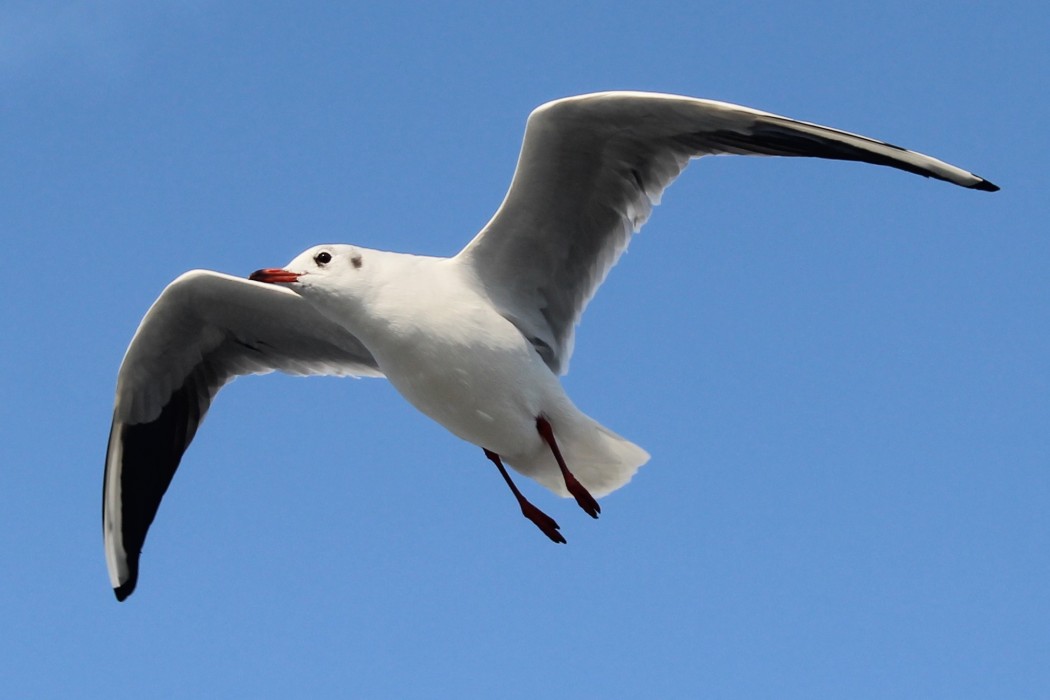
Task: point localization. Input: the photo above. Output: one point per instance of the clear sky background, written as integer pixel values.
(841, 371)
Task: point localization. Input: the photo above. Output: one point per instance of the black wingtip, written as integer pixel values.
(985, 186)
(125, 589)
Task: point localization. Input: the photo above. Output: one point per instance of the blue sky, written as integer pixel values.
(841, 371)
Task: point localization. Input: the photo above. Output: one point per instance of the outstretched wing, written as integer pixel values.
(590, 171)
(205, 329)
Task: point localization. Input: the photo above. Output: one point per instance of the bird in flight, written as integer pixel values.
(476, 341)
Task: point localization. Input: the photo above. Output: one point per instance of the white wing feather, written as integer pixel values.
(205, 329)
(590, 171)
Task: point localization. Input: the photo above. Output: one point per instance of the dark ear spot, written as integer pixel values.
(356, 261)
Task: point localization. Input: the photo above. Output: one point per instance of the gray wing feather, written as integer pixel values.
(590, 171)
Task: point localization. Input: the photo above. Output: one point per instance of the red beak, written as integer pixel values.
(272, 275)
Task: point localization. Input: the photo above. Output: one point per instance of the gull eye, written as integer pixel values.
(323, 258)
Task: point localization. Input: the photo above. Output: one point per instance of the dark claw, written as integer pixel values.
(582, 496)
(543, 521)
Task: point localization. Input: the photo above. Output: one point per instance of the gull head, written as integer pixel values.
(335, 268)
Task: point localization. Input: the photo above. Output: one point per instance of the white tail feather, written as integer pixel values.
(599, 458)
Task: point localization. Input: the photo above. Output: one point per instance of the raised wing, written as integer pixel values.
(590, 171)
(205, 329)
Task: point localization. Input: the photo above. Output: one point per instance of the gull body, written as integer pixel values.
(475, 341)
(437, 337)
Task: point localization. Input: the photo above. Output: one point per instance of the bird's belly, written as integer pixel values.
(488, 395)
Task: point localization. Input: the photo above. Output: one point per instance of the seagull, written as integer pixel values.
(476, 341)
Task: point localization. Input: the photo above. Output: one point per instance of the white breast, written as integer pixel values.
(474, 373)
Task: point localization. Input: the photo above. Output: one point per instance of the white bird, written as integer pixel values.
(475, 341)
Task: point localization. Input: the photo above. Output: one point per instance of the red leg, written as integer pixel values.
(543, 521)
(581, 494)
